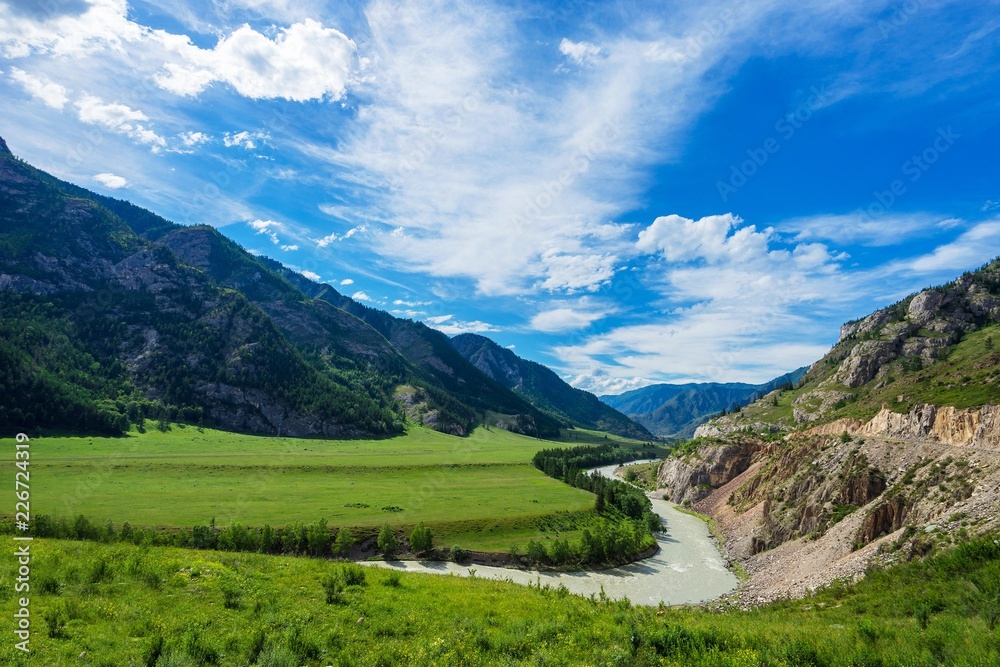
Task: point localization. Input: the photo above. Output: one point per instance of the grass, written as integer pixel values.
(122, 604)
(479, 492)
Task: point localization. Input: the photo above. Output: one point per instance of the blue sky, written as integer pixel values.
(629, 192)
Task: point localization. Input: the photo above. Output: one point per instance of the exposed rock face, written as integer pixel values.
(947, 425)
(692, 478)
(883, 519)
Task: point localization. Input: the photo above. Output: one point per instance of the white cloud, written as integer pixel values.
(327, 240)
(118, 118)
(579, 52)
(245, 139)
(102, 26)
(410, 304)
(305, 61)
(470, 165)
(565, 319)
(111, 181)
(192, 139)
(976, 246)
(447, 324)
(315, 277)
(738, 304)
(290, 247)
(361, 296)
(41, 87)
(347, 281)
(863, 229)
(681, 239)
(267, 228)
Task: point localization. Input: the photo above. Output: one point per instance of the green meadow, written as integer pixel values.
(114, 605)
(479, 492)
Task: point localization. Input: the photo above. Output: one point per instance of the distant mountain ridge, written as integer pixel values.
(544, 389)
(676, 410)
(110, 314)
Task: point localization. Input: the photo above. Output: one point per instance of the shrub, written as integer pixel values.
(333, 587)
(535, 551)
(392, 580)
(342, 545)
(421, 539)
(458, 554)
(354, 575)
(387, 542)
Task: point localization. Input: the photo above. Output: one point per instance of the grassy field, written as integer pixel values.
(113, 605)
(479, 492)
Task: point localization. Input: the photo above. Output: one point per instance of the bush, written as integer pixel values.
(333, 587)
(392, 580)
(387, 542)
(535, 551)
(354, 575)
(458, 554)
(342, 545)
(421, 539)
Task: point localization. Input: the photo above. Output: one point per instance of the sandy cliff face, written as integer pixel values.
(946, 425)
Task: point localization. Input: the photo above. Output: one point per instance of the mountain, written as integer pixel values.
(543, 388)
(676, 410)
(888, 448)
(112, 315)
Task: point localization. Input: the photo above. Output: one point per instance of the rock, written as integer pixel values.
(693, 477)
(925, 307)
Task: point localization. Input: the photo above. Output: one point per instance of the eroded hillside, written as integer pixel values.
(889, 447)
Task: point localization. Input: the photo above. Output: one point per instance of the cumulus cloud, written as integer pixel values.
(111, 181)
(289, 247)
(347, 281)
(730, 297)
(192, 139)
(361, 296)
(305, 61)
(315, 277)
(100, 25)
(119, 118)
(41, 88)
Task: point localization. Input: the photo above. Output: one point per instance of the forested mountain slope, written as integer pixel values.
(543, 388)
(112, 315)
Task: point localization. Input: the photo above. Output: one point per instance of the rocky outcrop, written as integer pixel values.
(691, 478)
(946, 425)
(887, 517)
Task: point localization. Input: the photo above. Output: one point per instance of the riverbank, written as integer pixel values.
(686, 566)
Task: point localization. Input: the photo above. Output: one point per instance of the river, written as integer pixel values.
(688, 567)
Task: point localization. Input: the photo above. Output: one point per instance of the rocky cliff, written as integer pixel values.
(889, 447)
